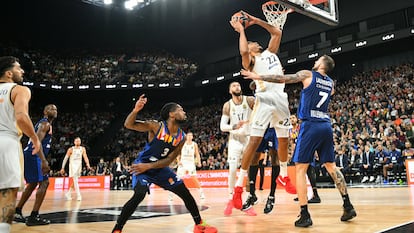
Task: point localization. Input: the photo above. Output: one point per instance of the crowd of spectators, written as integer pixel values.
(101, 67)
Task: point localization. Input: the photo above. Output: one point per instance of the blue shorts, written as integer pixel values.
(269, 141)
(33, 168)
(314, 136)
(163, 177)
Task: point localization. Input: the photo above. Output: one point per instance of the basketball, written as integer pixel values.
(242, 18)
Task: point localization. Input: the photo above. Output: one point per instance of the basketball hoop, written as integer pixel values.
(276, 13)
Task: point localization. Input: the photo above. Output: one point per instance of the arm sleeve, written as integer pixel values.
(224, 124)
(64, 161)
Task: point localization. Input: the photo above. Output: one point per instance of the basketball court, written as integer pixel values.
(379, 208)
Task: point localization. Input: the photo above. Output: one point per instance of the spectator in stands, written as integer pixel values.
(367, 165)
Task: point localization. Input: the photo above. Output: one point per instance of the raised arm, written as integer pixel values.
(141, 126)
(243, 45)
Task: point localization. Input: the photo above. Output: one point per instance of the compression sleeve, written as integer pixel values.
(224, 124)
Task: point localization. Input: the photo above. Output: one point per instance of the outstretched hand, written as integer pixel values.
(249, 75)
(140, 103)
(140, 168)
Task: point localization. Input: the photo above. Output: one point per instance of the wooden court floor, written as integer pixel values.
(378, 208)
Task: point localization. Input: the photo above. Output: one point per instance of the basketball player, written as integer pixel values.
(315, 133)
(165, 141)
(75, 155)
(36, 169)
(234, 119)
(188, 157)
(14, 120)
(271, 105)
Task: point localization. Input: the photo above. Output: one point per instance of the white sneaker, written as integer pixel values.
(365, 179)
(68, 196)
(371, 179)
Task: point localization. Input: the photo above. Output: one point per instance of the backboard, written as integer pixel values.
(325, 11)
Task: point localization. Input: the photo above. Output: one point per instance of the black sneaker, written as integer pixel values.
(19, 218)
(269, 205)
(349, 213)
(251, 201)
(315, 199)
(304, 221)
(37, 221)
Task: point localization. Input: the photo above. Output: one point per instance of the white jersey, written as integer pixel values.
(268, 63)
(8, 125)
(240, 112)
(75, 161)
(187, 153)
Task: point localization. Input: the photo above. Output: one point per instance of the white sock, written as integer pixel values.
(283, 169)
(240, 179)
(232, 177)
(76, 184)
(4, 227)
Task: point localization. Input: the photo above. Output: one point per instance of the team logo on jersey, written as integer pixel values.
(112, 213)
(171, 181)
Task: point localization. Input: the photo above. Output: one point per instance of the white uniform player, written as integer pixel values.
(187, 160)
(14, 121)
(11, 155)
(235, 120)
(75, 155)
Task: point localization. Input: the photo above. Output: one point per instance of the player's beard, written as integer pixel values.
(237, 93)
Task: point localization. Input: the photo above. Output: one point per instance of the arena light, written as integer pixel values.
(388, 37)
(124, 86)
(151, 85)
(313, 55)
(57, 87)
(28, 83)
(292, 60)
(130, 4)
(205, 81)
(107, 2)
(220, 78)
(137, 85)
(412, 31)
(97, 86)
(177, 84)
(336, 50)
(361, 43)
(236, 74)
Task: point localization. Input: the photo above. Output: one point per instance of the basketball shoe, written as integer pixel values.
(204, 228)
(237, 197)
(229, 208)
(36, 221)
(269, 205)
(285, 182)
(18, 217)
(349, 213)
(251, 201)
(304, 221)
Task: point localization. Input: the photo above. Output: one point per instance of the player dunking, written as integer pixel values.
(271, 106)
(315, 132)
(234, 119)
(165, 140)
(36, 169)
(75, 155)
(14, 120)
(189, 156)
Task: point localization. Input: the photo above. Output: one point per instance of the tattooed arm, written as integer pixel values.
(300, 76)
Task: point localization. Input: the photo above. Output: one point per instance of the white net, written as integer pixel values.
(276, 13)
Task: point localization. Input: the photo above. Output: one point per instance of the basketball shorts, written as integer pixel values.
(163, 177)
(269, 141)
(185, 169)
(270, 109)
(33, 168)
(11, 162)
(75, 169)
(237, 144)
(314, 136)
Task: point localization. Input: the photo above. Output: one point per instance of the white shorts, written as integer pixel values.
(11, 162)
(270, 108)
(75, 169)
(185, 169)
(237, 144)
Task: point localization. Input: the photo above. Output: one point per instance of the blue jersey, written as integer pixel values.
(315, 98)
(161, 145)
(32, 163)
(46, 142)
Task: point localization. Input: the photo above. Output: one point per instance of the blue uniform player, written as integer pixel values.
(165, 139)
(315, 133)
(36, 169)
